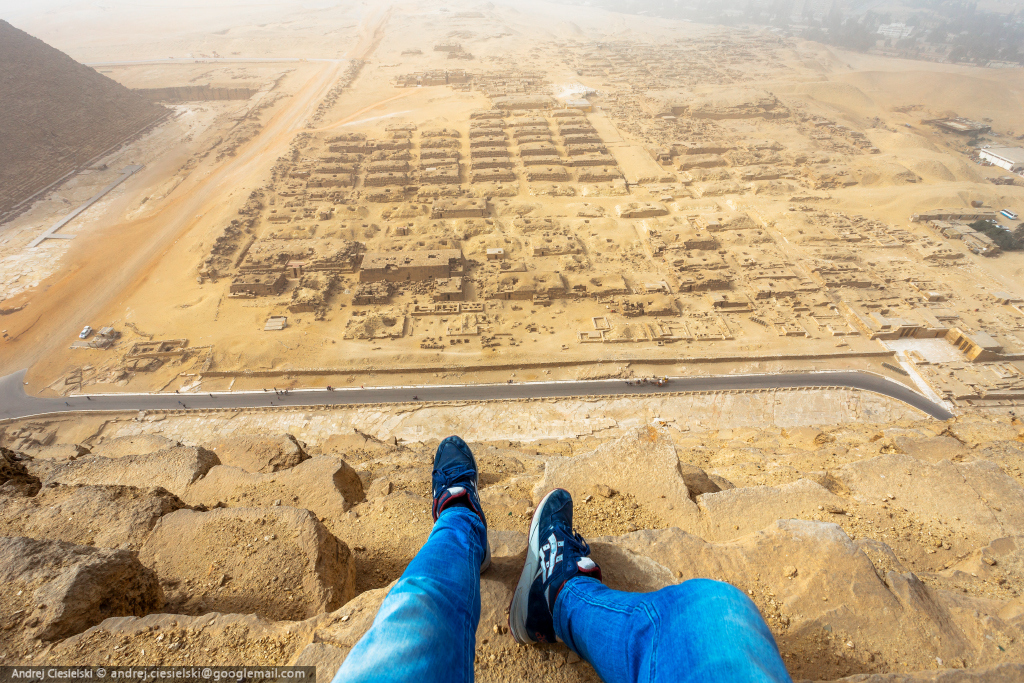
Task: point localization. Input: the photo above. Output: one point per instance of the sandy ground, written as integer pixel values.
(134, 263)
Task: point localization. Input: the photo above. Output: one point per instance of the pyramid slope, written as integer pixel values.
(56, 115)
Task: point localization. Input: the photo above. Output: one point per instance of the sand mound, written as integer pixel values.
(900, 140)
(888, 173)
(988, 94)
(842, 96)
(964, 171)
(933, 170)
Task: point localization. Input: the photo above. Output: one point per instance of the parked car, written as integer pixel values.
(86, 331)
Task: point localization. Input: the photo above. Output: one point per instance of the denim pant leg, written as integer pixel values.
(700, 630)
(425, 630)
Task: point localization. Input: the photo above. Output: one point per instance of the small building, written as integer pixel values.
(640, 210)
(936, 252)
(258, 284)
(448, 289)
(490, 162)
(962, 215)
(1010, 158)
(496, 139)
(548, 244)
(385, 179)
(458, 208)
(535, 149)
(413, 266)
(917, 323)
(519, 102)
(537, 285)
(496, 254)
(960, 125)
(728, 301)
(449, 174)
(975, 345)
(371, 293)
(650, 305)
(556, 174)
(981, 244)
(492, 175)
(597, 174)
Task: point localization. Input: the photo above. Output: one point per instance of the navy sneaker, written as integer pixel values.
(455, 482)
(554, 555)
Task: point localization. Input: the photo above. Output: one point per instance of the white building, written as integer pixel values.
(895, 31)
(1010, 158)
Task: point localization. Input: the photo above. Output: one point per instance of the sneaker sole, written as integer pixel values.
(520, 599)
(487, 545)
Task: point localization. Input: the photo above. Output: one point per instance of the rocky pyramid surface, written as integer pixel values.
(56, 114)
(881, 553)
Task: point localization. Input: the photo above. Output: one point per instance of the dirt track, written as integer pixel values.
(371, 32)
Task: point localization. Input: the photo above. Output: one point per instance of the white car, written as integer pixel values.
(86, 331)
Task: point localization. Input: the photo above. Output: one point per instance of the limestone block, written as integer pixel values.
(53, 589)
(975, 499)
(104, 516)
(326, 485)
(277, 562)
(741, 511)
(259, 453)
(177, 639)
(137, 444)
(172, 469)
(62, 451)
(932, 449)
(642, 463)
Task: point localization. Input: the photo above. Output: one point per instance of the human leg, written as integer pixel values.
(425, 628)
(700, 630)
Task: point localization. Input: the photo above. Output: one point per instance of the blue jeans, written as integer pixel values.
(425, 630)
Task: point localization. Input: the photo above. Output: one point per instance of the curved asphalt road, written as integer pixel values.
(14, 403)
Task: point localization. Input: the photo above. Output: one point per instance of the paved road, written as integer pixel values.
(15, 403)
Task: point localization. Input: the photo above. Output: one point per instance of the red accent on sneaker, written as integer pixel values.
(444, 501)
